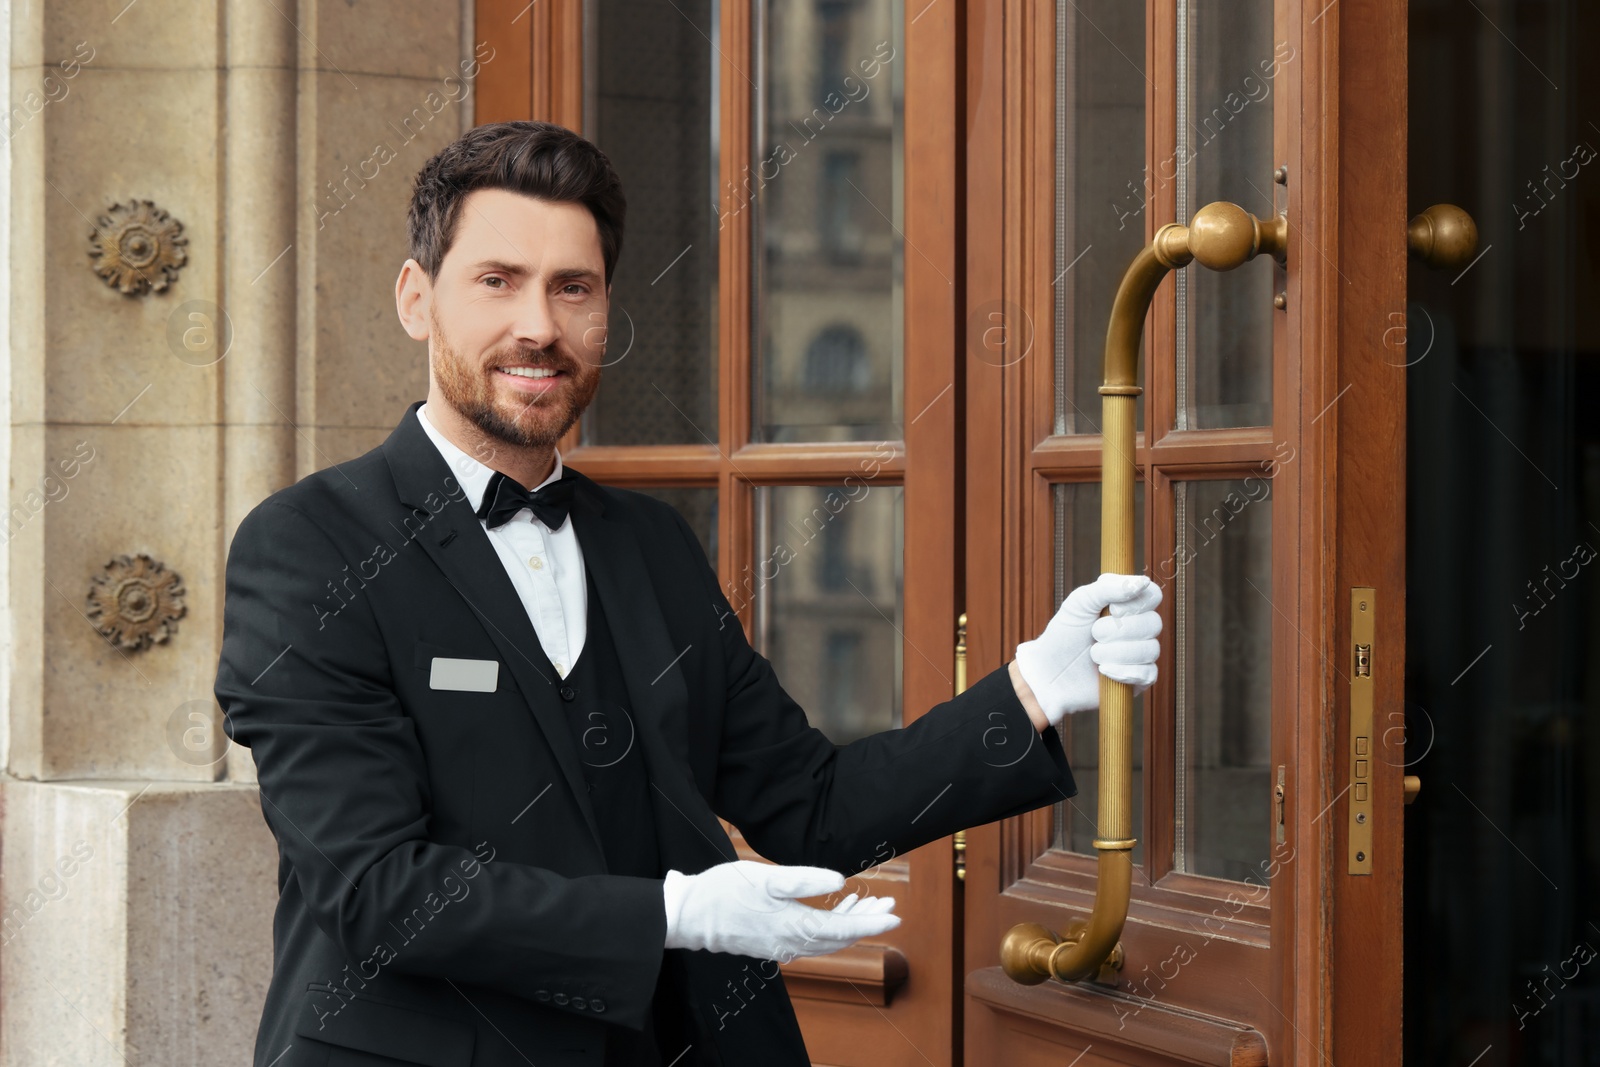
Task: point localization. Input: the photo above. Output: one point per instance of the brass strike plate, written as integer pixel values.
(1363, 624)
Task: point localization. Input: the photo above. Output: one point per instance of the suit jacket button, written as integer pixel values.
(561, 999)
(580, 1003)
(542, 995)
(568, 693)
(596, 1004)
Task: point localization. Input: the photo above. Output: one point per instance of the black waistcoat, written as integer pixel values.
(600, 716)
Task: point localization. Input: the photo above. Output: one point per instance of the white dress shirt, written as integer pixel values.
(545, 566)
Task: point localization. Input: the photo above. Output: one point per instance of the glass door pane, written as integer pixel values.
(828, 606)
(1228, 69)
(826, 192)
(650, 103)
(1223, 676)
(1103, 190)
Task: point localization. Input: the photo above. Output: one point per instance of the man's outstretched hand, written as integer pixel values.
(751, 909)
(1059, 666)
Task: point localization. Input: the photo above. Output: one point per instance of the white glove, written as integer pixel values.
(749, 908)
(1059, 664)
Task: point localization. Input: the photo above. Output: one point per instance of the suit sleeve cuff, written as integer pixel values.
(1012, 742)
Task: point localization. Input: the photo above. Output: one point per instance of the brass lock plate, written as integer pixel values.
(1363, 625)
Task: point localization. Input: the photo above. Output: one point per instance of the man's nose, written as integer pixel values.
(537, 323)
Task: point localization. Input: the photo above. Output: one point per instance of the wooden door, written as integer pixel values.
(1271, 458)
(791, 173)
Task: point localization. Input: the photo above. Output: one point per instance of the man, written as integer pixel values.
(495, 729)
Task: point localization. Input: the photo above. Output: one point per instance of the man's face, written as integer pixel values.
(521, 293)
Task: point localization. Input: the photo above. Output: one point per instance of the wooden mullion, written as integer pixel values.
(1026, 616)
(1302, 361)
(1160, 414)
(932, 316)
(993, 852)
(1026, 260)
(500, 92)
(1160, 701)
(1039, 220)
(883, 463)
(735, 547)
(554, 80)
(1204, 469)
(1161, 139)
(543, 51)
(734, 286)
(1037, 828)
(643, 465)
(1070, 458)
(1245, 448)
(1240, 443)
(1031, 155)
(565, 86)
(804, 463)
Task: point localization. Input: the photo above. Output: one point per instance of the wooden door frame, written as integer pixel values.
(538, 74)
(1334, 988)
(1367, 75)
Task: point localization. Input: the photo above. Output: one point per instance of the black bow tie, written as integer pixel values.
(506, 496)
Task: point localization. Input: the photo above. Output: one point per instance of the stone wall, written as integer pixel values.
(137, 878)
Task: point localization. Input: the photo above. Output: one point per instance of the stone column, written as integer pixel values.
(137, 877)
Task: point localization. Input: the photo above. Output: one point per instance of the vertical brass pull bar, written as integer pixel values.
(1220, 237)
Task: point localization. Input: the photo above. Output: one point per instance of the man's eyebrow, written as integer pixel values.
(576, 272)
(521, 270)
(500, 265)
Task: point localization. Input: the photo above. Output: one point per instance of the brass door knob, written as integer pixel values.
(1443, 236)
(1413, 786)
(1223, 236)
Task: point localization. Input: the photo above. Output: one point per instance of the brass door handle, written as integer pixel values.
(1221, 237)
(1443, 236)
(1413, 786)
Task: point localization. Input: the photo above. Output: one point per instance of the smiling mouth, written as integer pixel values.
(532, 380)
(532, 373)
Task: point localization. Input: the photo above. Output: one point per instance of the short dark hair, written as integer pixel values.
(538, 159)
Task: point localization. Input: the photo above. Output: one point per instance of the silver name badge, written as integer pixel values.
(464, 675)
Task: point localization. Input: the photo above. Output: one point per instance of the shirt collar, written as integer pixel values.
(474, 476)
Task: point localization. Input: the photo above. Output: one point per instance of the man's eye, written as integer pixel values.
(495, 278)
(574, 287)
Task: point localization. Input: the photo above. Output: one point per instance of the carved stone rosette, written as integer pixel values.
(136, 601)
(137, 247)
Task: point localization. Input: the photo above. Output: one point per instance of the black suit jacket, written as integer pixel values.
(444, 898)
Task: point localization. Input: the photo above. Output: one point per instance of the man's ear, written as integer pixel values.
(413, 296)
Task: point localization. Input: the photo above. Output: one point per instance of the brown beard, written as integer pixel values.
(535, 423)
